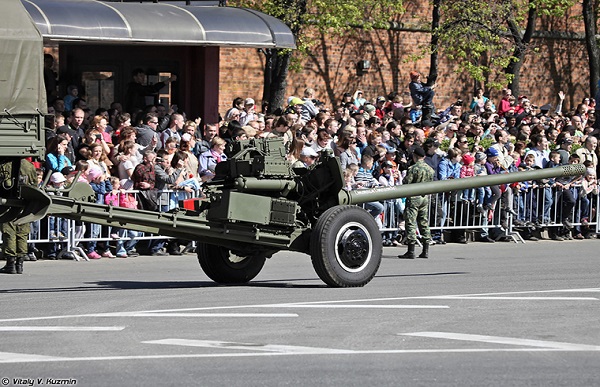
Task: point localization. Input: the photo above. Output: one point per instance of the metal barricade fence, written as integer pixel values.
(448, 211)
(58, 236)
(544, 206)
(512, 210)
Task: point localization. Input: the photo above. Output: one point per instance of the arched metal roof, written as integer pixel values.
(157, 23)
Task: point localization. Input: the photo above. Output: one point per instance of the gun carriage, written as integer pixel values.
(256, 205)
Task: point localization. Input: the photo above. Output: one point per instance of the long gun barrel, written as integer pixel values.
(408, 190)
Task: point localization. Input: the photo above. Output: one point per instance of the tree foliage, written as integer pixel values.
(491, 38)
(335, 16)
(312, 18)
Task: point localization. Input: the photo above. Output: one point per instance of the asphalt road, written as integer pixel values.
(472, 315)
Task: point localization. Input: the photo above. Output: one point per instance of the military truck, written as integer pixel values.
(256, 205)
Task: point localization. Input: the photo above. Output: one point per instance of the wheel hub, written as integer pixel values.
(354, 248)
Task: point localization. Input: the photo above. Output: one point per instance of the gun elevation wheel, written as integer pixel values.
(222, 266)
(345, 247)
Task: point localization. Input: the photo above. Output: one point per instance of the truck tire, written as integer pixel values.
(223, 267)
(346, 247)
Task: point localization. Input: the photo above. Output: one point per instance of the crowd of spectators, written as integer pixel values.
(159, 148)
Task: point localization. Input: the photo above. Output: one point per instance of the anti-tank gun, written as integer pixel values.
(321, 218)
(257, 205)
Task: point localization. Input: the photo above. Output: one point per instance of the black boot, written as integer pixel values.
(19, 265)
(10, 266)
(427, 111)
(410, 254)
(425, 252)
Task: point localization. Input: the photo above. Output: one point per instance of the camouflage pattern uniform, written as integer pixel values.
(14, 237)
(416, 213)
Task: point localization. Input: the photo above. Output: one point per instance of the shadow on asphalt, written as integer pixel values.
(423, 274)
(129, 285)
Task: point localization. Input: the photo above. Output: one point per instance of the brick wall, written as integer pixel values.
(331, 69)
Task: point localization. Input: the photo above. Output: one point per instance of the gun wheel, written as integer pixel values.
(224, 267)
(346, 247)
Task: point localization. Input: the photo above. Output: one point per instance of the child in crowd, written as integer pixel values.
(525, 192)
(72, 95)
(482, 193)
(581, 201)
(365, 177)
(125, 238)
(112, 199)
(350, 177)
(59, 120)
(83, 166)
(389, 177)
(354, 168)
(468, 170)
(58, 226)
(553, 160)
(101, 187)
(589, 187)
(349, 183)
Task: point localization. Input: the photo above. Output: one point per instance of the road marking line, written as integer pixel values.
(506, 340)
(11, 357)
(156, 314)
(57, 329)
(330, 302)
(346, 306)
(288, 349)
(6, 357)
(268, 315)
(590, 290)
(513, 298)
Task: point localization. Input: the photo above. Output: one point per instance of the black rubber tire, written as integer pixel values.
(218, 266)
(346, 247)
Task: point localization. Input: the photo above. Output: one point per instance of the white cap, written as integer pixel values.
(231, 112)
(126, 184)
(249, 101)
(57, 177)
(308, 151)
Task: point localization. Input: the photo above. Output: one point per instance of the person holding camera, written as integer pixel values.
(525, 110)
(92, 136)
(452, 112)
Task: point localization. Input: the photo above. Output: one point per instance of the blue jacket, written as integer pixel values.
(101, 189)
(446, 170)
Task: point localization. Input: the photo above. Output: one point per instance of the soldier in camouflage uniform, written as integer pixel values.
(14, 236)
(416, 212)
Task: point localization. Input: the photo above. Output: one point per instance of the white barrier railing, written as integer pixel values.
(448, 211)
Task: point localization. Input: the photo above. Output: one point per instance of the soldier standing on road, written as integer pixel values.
(14, 236)
(416, 213)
